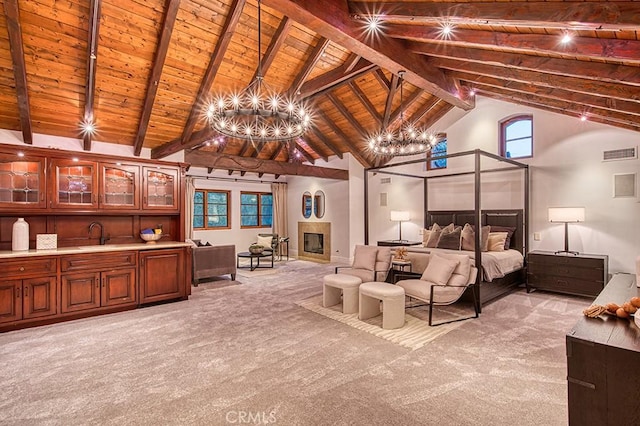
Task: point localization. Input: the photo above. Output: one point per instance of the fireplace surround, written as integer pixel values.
(314, 241)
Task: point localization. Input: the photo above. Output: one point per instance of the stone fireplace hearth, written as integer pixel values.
(314, 241)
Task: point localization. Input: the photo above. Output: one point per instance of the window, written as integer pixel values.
(211, 209)
(256, 209)
(516, 137)
(439, 149)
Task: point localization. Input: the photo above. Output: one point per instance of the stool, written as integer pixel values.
(335, 285)
(392, 298)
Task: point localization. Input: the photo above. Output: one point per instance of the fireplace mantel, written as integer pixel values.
(323, 228)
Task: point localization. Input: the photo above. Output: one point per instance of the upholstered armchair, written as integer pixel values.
(370, 263)
(212, 261)
(443, 282)
(268, 241)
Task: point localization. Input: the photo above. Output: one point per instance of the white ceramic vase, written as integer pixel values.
(20, 236)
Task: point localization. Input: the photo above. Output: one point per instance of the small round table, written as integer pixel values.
(400, 265)
(251, 256)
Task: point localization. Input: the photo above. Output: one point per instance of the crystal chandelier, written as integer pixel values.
(258, 112)
(407, 140)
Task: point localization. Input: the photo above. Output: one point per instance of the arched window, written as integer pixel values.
(516, 136)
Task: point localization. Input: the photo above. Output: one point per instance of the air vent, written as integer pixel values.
(385, 180)
(620, 154)
(624, 185)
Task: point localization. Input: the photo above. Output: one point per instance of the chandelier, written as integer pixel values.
(258, 112)
(407, 140)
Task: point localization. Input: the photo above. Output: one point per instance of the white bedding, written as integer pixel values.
(495, 264)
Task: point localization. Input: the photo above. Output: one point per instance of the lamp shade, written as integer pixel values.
(566, 214)
(400, 216)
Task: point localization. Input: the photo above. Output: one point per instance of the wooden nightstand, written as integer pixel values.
(582, 274)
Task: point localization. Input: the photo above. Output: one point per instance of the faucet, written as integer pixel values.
(103, 239)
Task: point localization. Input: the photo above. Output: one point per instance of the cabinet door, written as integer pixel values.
(80, 291)
(22, 181)
(160, 188)
(119, 287)
(119, 186)
(39, 297)
(161, 275)
(74, 184)
(10, 300)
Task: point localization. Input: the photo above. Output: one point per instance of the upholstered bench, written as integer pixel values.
(392, 298)
(335, 285)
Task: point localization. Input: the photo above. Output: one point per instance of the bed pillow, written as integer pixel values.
(496, 241)
(509, 230)
(434, 234)
(364, 257)
(468, 237)
(450, 239)
(439, 270)
(425, 237)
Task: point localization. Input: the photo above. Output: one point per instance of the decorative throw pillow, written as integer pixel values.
(496, 241)
(469, 237)
(509, 230)
(439, 270)
(265, 241)
(364, 257)
(425, 237)
(450, 239)
(434, 234)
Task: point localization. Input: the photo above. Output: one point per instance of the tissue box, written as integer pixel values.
(46, 241)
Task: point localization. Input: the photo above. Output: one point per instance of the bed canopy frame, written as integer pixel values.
(477, 216)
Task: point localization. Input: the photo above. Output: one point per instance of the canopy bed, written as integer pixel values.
(498, 272)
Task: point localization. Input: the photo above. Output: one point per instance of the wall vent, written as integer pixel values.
(383, 199)
(624, 185)
(385, 180)
(620, 154)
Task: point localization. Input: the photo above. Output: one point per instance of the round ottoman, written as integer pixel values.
(336, 285)
(392, 298)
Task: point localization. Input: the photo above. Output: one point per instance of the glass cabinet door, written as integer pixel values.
(22, 182)
(119, 186)
(160, 188)
(74, 184)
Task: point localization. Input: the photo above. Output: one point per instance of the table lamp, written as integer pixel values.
(566, 215)
(400, 216)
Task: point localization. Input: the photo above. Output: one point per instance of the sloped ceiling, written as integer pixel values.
(145, 70)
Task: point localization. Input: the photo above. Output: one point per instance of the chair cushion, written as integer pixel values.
(265, 241)
(364, 257)
(439, 269)
(342, 281)
(364, 274)
(460, 275)
(421, 289)
(383, 259)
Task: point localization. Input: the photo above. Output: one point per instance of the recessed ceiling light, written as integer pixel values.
(583, 117)
(20, 154)
(566, 38)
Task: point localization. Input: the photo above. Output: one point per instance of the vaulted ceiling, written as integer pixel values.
(145, 70)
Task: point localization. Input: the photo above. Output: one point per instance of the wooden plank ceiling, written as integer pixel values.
(143, 71)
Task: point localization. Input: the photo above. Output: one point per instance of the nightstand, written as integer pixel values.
(581, 274)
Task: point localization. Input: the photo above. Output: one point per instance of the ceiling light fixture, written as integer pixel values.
(566, 38)
(407, 140)
(259, 112)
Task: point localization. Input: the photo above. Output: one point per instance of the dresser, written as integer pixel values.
(398, 243)
(603, 355)
(582, 274)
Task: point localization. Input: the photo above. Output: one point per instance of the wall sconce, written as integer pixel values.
(566, 215)
(400, 216)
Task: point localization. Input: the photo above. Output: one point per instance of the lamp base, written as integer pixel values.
(575, 253)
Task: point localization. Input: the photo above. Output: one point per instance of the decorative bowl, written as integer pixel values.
(256, 249)
(151, 238)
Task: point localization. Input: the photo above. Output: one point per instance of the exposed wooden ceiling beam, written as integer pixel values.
(258, 149)
(423, 110)
(393, 88)
(326, 142)
(228, 29)
(92, 57)
(331, 19)
(624, 94)
(351, 61)
(347, 114)
(304, 153)
(276, 43)
(398, 116)
(308, 66)
(276, 151)
(156, 72)
(613, 73)
(254, 165)
(613, 15)
(12, 13)
(360, 95)
(244, 149)
(197, 138)
(316, 148)
(334, 79)
(580, 47)
(382, 79)
(433, 117)
(345, 139)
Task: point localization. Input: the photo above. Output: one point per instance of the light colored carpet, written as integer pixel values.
(413, 335)
(249, 350)
(259, 272)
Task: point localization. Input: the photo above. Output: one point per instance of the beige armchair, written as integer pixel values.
(444, 280)
(370, 263)
(213, 261)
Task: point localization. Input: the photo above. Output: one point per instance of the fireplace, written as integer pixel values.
(314, 241)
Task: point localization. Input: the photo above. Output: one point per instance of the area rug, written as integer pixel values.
(259, 272)
(413, 335)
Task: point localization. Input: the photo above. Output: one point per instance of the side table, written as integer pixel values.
(401, 265)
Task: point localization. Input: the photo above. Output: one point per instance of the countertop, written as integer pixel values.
(8, 254)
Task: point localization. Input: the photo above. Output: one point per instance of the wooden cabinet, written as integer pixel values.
(160, 188)
(74, 184)
(601, 357)
(22, 181)
(28, 289)
(97, 281)
(162, 275)
(119, 186)
(582, 274)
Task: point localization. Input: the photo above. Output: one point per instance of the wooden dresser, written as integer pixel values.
(582, 274)
(603, 355)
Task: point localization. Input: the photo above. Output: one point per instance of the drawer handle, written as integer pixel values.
(22, 269)
(581, 383)
(562, 282)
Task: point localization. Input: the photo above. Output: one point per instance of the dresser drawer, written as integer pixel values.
(569, 285)
(566, 261)
(98, 261)
(40, 266)
(595, 274)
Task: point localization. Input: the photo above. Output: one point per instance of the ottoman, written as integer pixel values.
(392, 298)
(335, 285)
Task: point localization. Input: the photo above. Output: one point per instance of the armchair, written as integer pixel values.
(211, 261)
(268, 241)
(370, 263)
